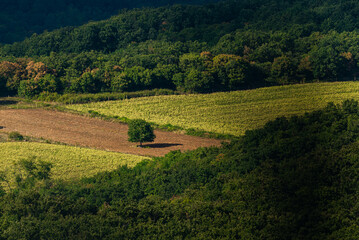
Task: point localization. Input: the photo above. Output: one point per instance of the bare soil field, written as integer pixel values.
(94, 133)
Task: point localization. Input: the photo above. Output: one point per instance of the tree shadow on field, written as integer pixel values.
(161, 145)
(7, 102)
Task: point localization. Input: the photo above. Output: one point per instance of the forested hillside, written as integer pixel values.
(293, 179)
(22, 18)
(229, 45)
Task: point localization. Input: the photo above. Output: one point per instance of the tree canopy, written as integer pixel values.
(23, 18)
(140, 131)
(224, 46)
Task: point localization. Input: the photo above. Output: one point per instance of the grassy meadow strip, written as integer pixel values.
(68, 162)
(227, 112)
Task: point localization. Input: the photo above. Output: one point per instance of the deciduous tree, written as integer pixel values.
(140, 131)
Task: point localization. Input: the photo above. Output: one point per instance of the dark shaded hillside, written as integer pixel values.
(293, 179)
(22, 18)
(177, 23)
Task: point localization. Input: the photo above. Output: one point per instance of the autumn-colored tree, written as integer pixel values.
(11, 74)
(36, 70)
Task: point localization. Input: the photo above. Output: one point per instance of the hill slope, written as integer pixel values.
(228, 112)
(224, 46)
(292, 179)
(22, 18)
(203, 23)
(69, 163)
(88, 132)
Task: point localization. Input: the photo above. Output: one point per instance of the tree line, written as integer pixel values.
(243, 59)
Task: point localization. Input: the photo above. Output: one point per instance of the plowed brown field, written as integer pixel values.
(94, 133)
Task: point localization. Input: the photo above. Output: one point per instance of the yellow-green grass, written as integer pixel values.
(228, 112)
(69, 163)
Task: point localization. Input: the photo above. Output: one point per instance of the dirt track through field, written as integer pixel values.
(94, 133)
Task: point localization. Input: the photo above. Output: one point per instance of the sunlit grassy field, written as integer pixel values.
(230, 112)
(68, 162)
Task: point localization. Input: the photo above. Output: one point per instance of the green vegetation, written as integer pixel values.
(69, 163)
(140, 131)
(16, 136)
(23, 18)
(229, 112)
(295, 178)
(98, 97)
(224, 46)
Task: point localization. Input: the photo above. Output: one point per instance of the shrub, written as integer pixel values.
(16, 136)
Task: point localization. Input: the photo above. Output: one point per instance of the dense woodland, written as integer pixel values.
(22, 18)
(224, 46)
(294, 178)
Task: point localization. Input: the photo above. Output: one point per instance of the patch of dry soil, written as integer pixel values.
(94, 133)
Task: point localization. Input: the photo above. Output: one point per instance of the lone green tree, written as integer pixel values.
(140, 131)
